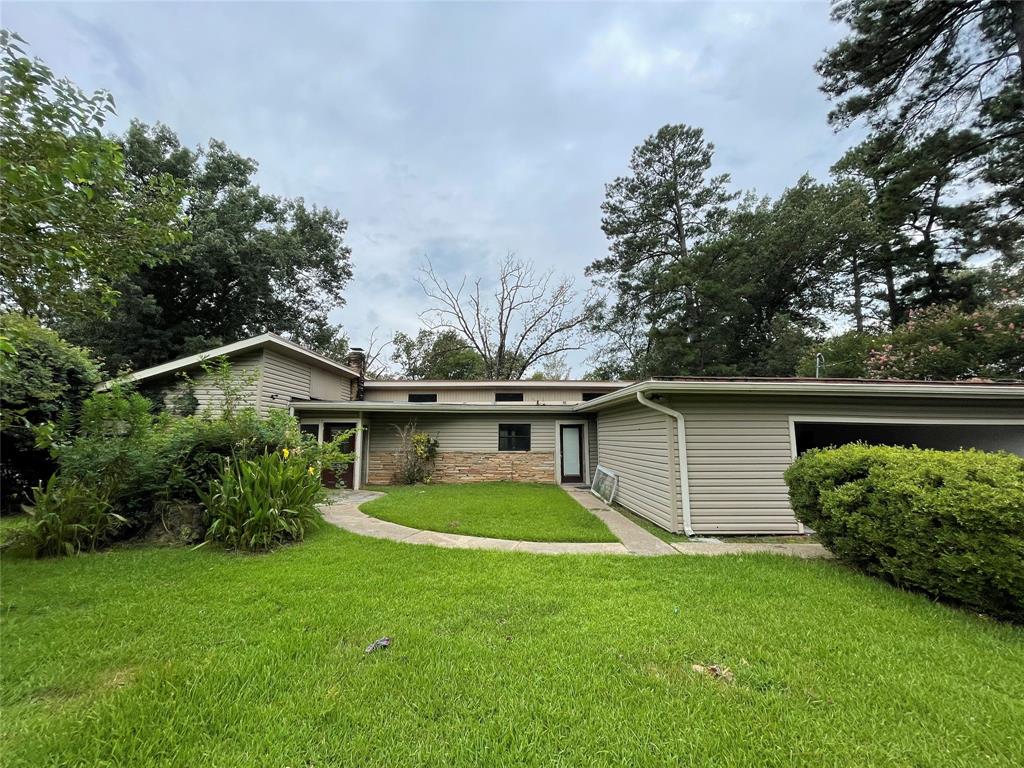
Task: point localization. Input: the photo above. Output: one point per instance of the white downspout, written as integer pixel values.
(684, 475)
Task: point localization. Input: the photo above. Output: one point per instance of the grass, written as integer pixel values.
(145, 657)
(664, 535)
(521, 511)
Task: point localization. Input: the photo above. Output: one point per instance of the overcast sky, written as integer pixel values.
(456, 131)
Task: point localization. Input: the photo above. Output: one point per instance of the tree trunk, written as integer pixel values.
(895, 312)
(858, 300)
(1017, 20)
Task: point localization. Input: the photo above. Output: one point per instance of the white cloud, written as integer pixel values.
(622, 54)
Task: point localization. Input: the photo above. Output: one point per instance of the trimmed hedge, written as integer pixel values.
(948, 523)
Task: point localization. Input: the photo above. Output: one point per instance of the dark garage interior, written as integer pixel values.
(950, 437)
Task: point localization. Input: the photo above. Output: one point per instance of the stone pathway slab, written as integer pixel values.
(636, 539)
(343, 511)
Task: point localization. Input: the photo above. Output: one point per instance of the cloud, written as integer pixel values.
(459, 131)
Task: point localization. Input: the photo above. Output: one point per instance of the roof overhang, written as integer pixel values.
(263, 341)
(813, 388)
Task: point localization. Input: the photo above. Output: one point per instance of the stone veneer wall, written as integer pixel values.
(465, 467)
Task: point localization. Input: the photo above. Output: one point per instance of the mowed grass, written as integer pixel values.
(169, 657)
(522, 511)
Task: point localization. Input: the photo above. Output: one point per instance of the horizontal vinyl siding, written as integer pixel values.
(739, 447)
(591, 446)
(635, 443)
(244, 368)
(468, 434)
(285, 378)
(474, 395)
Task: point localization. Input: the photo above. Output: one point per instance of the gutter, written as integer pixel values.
(684, 475)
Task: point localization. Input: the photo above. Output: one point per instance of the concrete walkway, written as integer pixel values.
(634, 538)
(343, 511)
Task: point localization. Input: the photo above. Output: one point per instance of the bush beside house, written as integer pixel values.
(948, 523)
(116, 467)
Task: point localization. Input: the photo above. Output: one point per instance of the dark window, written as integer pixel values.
(423, 397)
(591, 395)
(508, 397)
(513, 437)
(313, 430)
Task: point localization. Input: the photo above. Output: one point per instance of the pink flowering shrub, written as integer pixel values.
(944, 343)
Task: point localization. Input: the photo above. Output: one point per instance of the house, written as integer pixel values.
(693, 455)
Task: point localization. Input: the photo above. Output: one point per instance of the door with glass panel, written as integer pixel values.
(571, 461)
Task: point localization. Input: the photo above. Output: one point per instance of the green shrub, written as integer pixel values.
(67, 518)
(416, 455)
(256, 504)
(948, 523)
(43, 379)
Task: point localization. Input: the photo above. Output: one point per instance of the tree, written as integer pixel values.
(530, 317)
(924, 230)
(916, 67)
(254, 263)
(442, 355)
(45, 379)
(656, 218)
(74, 220)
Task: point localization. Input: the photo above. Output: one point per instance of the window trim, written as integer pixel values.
(529, 437)
(422, 397)
(509, 397)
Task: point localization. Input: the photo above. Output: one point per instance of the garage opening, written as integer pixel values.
(947, 437)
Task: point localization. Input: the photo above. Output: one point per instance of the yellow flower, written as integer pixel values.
(285, 452)
(311, 471)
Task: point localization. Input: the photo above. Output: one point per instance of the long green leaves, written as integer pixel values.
(256, 504)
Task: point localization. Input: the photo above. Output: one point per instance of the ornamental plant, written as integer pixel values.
(257, 504)
(947, 523)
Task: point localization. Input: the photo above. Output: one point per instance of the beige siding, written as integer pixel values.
(553, 396)
(443, 395)
(244, 368)
(591, 446)
(289, 379)
(476, 433)
(738, 448)
(326, 385)
(635, 442)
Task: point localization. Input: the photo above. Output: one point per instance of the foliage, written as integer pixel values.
(948, 523)
(416, 455)
(945, 343)
(531, 317)
(254, 262)
(45, 379)
(502, 510)
(67, 518)
(256, 504)
(919, 69)
(442, 355)
(845, 356)
(75, 222)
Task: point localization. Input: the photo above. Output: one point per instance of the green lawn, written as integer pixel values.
(524, 511)
(145, 657)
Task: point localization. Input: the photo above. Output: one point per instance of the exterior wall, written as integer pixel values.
(636, 443)
(532, 395)
(467, 447)
(592, 452)
(470, 467)
(246, 370)
(285, 378)
(738, 448)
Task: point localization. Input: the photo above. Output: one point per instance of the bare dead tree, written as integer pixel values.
(376, 363)
(530, 317)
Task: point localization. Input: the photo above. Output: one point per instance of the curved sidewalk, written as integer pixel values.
(633, 540)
